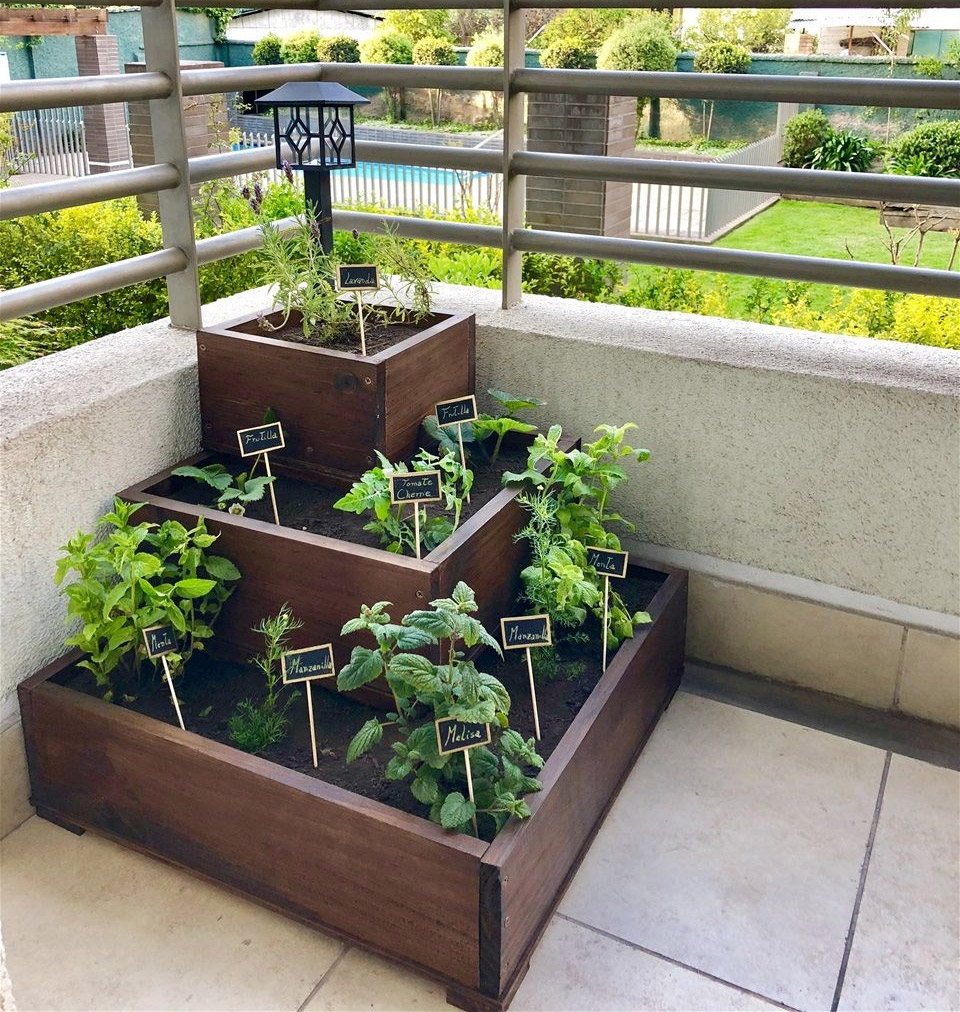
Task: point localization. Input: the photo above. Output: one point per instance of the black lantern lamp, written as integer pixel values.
(314, 119)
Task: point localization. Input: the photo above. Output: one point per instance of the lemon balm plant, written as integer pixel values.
(453, 688)
(136, 576)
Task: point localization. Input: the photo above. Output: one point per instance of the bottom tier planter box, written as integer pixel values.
(466, 912)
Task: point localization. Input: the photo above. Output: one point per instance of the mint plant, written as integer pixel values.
(570, 510)
(140, 575)
(254, 726)
(235, 493)
(394, 524)
(453, 688)
(487, 428)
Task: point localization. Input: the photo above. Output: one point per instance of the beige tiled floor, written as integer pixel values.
(727, 876)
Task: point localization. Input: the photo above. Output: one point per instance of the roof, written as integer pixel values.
(310, 93)
(942, 18)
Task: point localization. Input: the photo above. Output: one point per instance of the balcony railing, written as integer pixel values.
(165, 85)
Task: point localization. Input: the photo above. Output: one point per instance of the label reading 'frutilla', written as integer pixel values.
(260, 439)
(457, 411)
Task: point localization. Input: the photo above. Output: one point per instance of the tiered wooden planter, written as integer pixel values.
(463, 911)
(336, 407)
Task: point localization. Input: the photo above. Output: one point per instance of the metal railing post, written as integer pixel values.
(161, 53)
(514, 139)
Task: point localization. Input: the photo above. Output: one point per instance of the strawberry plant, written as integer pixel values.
(371, 494)
(140, 575)
(486, 428)
(453, 688)
(235, 493)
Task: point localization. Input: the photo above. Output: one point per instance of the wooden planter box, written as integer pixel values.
(466, 912)
(325, 580)
(336, 407)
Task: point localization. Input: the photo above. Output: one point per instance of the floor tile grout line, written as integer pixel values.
(864, 868)
(323, 977)
(676, 962)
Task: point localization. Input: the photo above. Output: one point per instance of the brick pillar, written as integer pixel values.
(582, 125)
(204, 123)
(105, 128)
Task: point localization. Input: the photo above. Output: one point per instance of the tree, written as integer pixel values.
(389, 46)
(267, 50)
(643, 43)
(417, 25)
(435, 52)
(338, 49)
(487, 51)
(760, 31)
(720, 58)
(590, 25)
(567, 54)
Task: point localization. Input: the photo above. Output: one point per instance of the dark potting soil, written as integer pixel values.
(210, 690)
(378, 336)
(309, 507)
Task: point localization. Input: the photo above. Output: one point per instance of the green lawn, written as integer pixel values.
(804, 228)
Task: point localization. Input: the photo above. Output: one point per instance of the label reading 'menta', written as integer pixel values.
(159, 639)
(608, 562)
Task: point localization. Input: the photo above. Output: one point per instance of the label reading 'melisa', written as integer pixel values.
(415, 486)
(458, 735)
(525, 631)
(308, 663)
(457, 411)
(159, 640)
(358, 277)
(608, 562)
(260, 439)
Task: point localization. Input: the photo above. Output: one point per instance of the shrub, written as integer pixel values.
(300, 47)
(569, 277)
(804, 133)
(434, 51)
(843, 151)
(387, 46)
(567, 54)
(338, 49)
(486, 51)
(268, 50)
(932, 149)
(926, 319)
(722, 57)
(929, 66)
(641, 44)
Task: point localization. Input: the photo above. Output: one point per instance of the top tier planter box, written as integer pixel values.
(336, 407)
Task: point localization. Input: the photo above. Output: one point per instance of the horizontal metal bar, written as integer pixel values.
(54, 292)
(885, 92)
(216, 81)
(723, 176)
(55, 92)
(337, 5)
(854, 273)
(98, 3)
(800, 5)
(231, 163)
(87, 190)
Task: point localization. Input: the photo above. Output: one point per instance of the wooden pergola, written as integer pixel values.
(63, 21)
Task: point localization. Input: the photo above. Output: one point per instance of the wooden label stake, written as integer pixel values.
(416, 487)
(260, 440)
(460, 736)
(522, 632)
(358, 278)
(456, 412)
(609, 563)
(161, 640)
(307, 665)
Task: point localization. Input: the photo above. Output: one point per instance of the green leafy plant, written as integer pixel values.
(759, 30)
(720, 57)
(803, 134)
(487, 427)
(568, 53)
(433, 51)
(254, 726)
(301, 274)
(268, 50)
(371, 494)
(453, 688)
(136, 576)
(486, 50)
(932, 149)
(843, 151)
(580, 482)
(389, 46)
(234, 493)
(338, 49)
(300, 47)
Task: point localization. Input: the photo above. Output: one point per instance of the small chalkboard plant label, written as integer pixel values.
(418, 487)
(607, 562)
(456, 411)
(261, 439)
(358, 278)
(160, 640)
(523, 632)
(307, 665)
(460, 736)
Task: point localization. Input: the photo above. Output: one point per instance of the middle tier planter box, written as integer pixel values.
(336, 407)
(467, 912)
(326, 580)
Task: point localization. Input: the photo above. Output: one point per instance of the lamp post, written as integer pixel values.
(314, 119)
